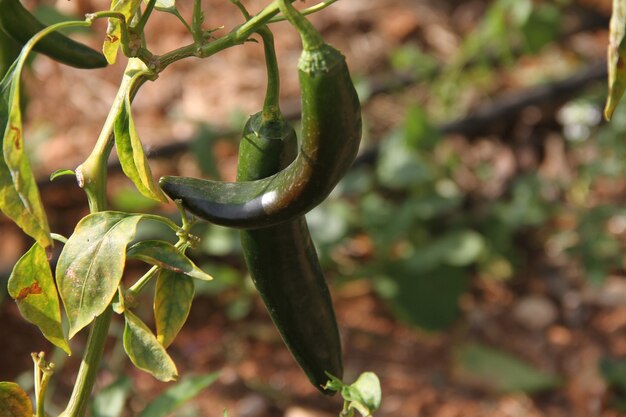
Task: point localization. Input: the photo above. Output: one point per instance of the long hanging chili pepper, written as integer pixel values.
(21, 25)
(281, 259)
(331, 133)
(9, 51)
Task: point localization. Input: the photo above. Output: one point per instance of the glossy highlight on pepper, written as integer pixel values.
(331, 134)
(281, 259)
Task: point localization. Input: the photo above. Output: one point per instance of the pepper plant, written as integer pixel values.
(87, 282)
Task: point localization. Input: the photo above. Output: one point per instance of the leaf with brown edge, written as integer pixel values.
(14, 402)
(31, 285)
(19, 194)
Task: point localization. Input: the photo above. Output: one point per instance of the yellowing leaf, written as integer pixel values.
(616, 57)
(144, 350)
(172, 302)
(32, 287)
(165, 255)
(19, 195)
(14, 402)
(92, 263)
(129, 148)
(114, 32)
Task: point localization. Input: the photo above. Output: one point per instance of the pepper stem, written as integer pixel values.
(271, 106)
(311, 38)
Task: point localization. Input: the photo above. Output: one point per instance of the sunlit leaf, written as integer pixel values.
(165, 255)
(363, 395)
(616, 57)
(114, 32)
(32, 287)
(172, 302)
(61, 173)
(129, 148)
(145, 351)
(165, 5)
(366, 391)
(14, 402)
(92, 263)
(19, 195)
(178, 395)
(110, 400)
(490, 368)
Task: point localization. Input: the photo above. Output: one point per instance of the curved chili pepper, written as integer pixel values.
(21, 25)
(331, 133)
(9, 51)
(281, 259)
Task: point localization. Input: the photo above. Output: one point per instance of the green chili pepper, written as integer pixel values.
(281, 259)
(9, 51)
(21, 25)
(331, 133)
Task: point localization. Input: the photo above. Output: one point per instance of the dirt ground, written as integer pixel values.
(544, 315)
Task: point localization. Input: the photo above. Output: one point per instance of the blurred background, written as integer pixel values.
(475, 251)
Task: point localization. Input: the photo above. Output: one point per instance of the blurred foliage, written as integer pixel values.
(501, 372)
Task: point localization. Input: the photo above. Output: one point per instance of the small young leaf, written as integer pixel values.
(172, 302)
(165, 5)
(14, 402)
(110, 400)
(129, 149)
(165, 255)
(179, 394)
(144, 350)
(114, 31)
(32, 287)
(92, 263)
(367, 386)
(616, 57)
(60, 173)
(19, 195)
(363, 395)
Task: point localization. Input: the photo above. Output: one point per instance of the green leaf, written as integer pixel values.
(363, 395)
(14, 402)
(110, 400)
(367, 389)
(172, 302)
(165, 5)
(500, 371)
(129, 149)
(616, 57)
(60, 173)
(19, 195)
(114, 31)
(92, 263)
(145, 351)
(32, 287)
(165, 255)
(179, 394)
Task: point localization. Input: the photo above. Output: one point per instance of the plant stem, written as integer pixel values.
(92, 176)
(307, 11)
(271, 108)
(86, 377)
